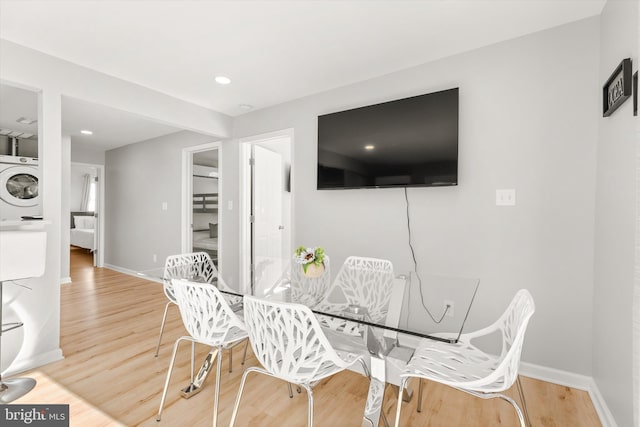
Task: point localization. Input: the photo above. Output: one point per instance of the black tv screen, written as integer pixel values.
(402, 143)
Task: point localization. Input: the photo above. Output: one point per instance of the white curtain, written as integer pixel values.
(86, 188)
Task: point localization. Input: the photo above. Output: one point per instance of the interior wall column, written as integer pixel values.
(39, 306)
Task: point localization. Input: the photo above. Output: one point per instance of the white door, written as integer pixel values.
(267, 226)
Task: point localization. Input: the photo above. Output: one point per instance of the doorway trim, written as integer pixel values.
(186, 217)
(244, 211)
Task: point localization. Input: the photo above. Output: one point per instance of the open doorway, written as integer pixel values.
(86, 223)
(266, 210)
(201, 190)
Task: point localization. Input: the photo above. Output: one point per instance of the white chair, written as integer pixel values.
(469, 369)
(197, 267)
(364, 282)
(209, 320)
(288, 341)
(309, 290)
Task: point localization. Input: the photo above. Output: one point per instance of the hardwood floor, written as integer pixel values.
(110, 323)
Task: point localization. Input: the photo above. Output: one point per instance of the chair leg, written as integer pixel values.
(403, 383)
(164, 319)
(244, 355)
(240, 390)
(419, 408)
(230, 359)
(384, 418)
(310, 397)
(193, 355)
(515, 406)
(216, 398)
(166, 384)
(523, 401)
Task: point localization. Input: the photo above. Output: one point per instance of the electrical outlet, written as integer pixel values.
(155, 258)
(506, 197)
(448, 308)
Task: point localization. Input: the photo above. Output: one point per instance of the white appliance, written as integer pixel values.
(19, 192)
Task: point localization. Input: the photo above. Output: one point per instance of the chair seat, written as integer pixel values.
(326, 369)
(460, 365)
(233, 336)
(343, 326)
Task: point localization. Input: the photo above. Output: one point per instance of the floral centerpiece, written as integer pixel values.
(311, 259)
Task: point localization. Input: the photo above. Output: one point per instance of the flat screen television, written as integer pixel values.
(402, 143)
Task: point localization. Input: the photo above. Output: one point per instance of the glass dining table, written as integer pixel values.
(422, 306)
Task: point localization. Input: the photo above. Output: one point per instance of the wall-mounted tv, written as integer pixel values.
(402, 143)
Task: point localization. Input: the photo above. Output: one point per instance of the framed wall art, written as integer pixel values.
(617, 88)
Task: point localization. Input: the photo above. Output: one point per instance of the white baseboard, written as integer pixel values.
(556, 376)
(606, 417)
(65, 280)
(573, 380)
(132, 273)
(34, 362)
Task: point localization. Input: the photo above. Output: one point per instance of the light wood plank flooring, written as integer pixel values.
(109, 376)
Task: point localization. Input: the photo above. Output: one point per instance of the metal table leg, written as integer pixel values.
(373, 407)
(379, 348)
(195, 387)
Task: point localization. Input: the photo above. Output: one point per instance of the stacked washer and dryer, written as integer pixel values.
(19, 178)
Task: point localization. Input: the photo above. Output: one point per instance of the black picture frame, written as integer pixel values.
(635, 93)
(617, 89)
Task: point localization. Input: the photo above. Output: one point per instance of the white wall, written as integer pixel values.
(528, 120)
(615, 221)
(139, 178)
(65, 237)
(80, 153)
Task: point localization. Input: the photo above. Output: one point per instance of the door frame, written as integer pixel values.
(99, 260)
(244, 254)
(186, 217)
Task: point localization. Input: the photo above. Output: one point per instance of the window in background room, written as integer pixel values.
(91, 204)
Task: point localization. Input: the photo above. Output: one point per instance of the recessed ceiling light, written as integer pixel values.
(26, 121)
(223, 80)
(86, 132)
(245, 107)
(369, 147)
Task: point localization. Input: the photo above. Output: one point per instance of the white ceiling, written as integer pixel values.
(111, 128)
(273, 51)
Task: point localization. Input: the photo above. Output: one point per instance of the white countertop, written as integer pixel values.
(18, 224)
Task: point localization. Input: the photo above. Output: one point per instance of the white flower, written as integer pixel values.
(306, 256)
